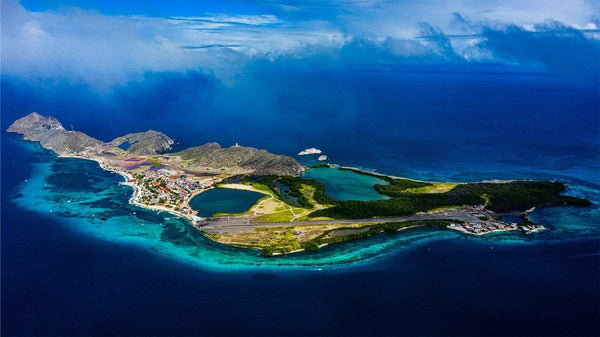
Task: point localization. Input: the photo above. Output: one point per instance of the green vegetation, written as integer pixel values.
(280, 240)
(399, 185)
(294, 184)
(310, 246)
(294, 188)
(286, 239)
(270, 240)
(282, 216)
(527, 221)
(408, 197)
(344, 234)
(268, 251)
(155, 162)
(506, 196)
(319, 166)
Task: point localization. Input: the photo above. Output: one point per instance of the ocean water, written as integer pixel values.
(66, 271)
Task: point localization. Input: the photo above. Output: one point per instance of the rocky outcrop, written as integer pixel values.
(145, 143)
(52, 135)
(310, 151)
(34, 123)
(259, 162)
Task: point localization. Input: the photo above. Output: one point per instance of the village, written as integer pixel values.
(166, 188)
(488, 225)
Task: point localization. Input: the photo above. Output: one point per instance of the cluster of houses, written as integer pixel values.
(166, 187)
(487, 226)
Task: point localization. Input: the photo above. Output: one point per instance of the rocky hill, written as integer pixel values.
(52, 135)
(260, 162)
(145, 143)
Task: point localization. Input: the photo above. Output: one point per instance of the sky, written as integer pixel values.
(106, 44)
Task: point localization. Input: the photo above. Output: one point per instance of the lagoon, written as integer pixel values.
(347, 185)
(124, 146)
(224, 200)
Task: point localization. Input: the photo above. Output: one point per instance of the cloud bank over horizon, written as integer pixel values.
(84, 45)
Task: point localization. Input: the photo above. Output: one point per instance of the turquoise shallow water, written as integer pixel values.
(346, 184)
(82, 195)
(224, 200)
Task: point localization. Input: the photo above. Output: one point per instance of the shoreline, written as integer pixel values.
(137, 190)
(383, 175)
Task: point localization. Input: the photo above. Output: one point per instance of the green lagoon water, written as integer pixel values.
(224, 200)
(346, 184)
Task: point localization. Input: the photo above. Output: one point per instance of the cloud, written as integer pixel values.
(222, 20)
(551, 45)
(88, 46)
(106, 50)
(215, 45)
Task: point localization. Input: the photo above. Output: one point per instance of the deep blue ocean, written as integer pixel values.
(67, 272)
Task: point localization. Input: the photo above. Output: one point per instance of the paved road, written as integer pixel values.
(243, 224)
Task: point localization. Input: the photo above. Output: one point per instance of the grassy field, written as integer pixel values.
(270, 240)
(433, 188)
(285, 215)
(286, 239)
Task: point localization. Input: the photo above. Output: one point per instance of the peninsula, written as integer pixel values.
(294, 213)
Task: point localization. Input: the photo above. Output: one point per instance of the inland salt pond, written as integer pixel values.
(124, 146)
(346, 184)
(224, 200)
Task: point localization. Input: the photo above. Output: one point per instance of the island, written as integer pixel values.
(293, 213)
(309, 151)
